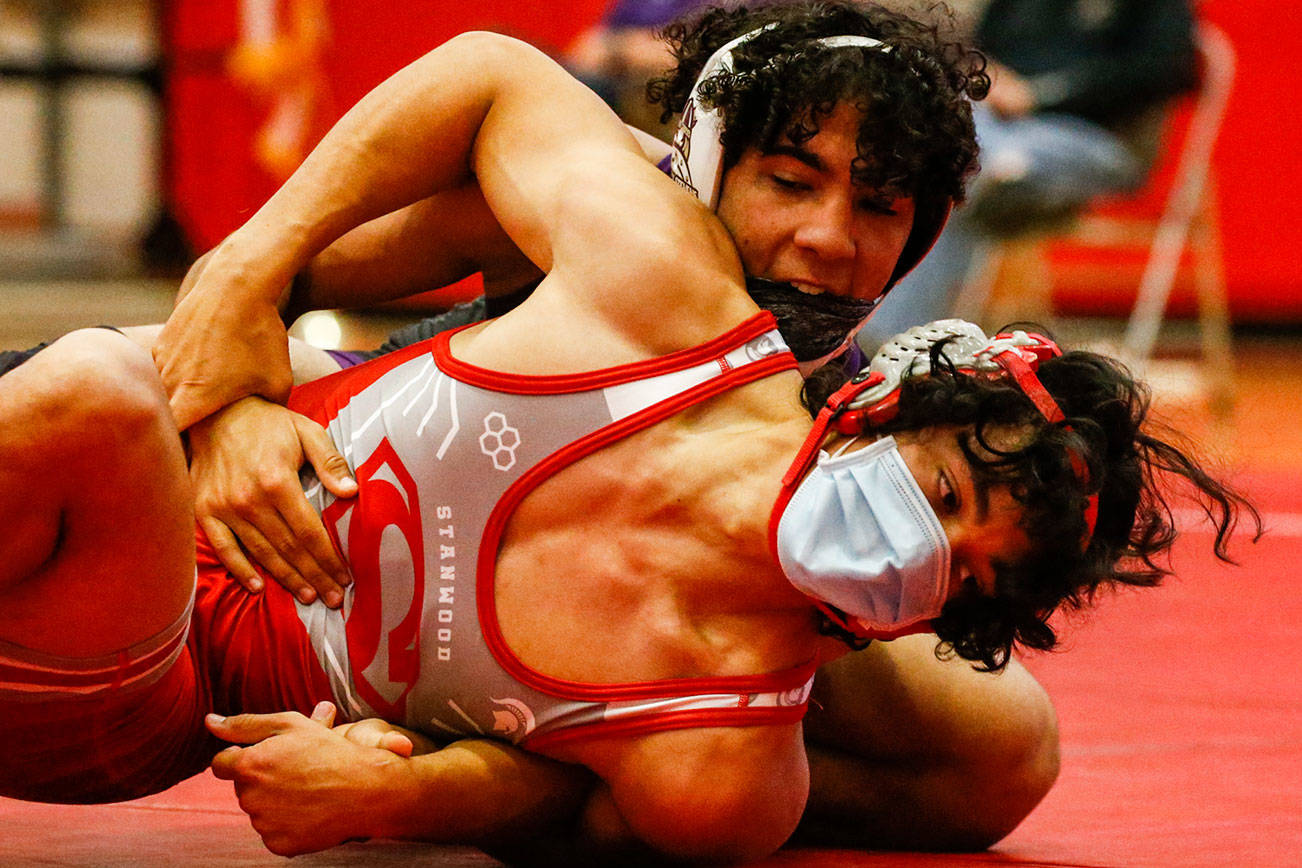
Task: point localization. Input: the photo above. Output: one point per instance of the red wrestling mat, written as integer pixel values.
(1181, 714)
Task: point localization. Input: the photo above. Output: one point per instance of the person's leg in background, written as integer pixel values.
(1036, 172)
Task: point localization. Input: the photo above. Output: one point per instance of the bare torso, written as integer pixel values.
(649, 559)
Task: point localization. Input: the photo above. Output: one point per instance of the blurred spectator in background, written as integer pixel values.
(618, 56)
(1079, 90)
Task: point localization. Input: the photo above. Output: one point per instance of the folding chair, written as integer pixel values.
(1189, 221)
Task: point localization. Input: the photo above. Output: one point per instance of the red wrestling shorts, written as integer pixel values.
(129, 724)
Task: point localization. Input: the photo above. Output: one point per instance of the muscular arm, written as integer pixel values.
(307, 787)
(456, 114)
(715, 794)
(428, 244)
(727, 794)
(910, 752)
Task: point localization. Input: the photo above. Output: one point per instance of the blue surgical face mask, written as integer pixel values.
(858, 534)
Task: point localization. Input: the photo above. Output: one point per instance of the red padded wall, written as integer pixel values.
(215, 183)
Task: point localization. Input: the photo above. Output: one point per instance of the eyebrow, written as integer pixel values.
(979, 483)
(809, 158)
(982, 488)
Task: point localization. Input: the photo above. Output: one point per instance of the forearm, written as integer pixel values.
(475, 791)
(425, 246)
(308, 362)
(410, 137)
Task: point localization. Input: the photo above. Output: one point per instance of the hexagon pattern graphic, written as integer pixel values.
(499, 441)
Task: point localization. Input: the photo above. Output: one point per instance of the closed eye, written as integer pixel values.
(947, 494)
(792, 184)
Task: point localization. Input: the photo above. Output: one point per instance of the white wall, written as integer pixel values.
(110, 153)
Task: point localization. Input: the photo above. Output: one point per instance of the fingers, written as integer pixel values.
(303, 542)
(249, 498)
(396, 743)
(330, 466)
(379, 734)
(271, 542)
(296, 551)
(230, 554)
(252, 728)
(211, 353)
(226, 763)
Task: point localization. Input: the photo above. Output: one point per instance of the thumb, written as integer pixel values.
(330, 466)
(324, 713)
(248, 728)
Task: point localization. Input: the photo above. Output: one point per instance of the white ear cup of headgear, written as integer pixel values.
(696, 161)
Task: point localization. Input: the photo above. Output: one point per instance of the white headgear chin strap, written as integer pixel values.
(696, 161)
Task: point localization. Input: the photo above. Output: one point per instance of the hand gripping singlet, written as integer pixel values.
(443, 452)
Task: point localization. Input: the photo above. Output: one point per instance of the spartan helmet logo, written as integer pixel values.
(761, 347)
(513, 722)
(794, 696)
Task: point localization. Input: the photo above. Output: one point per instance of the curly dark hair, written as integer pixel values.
(916, 138)
(1130, 468)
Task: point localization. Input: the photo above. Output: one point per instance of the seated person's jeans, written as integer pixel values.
(1036, 172)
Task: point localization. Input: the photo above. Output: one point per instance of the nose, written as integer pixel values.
(827, 228)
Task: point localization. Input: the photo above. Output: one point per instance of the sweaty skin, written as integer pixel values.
(796, 215)
(971, 782)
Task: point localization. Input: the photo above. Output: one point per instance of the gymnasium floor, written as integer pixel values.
(1181, 708)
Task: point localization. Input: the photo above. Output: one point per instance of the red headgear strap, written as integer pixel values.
(1015, 361)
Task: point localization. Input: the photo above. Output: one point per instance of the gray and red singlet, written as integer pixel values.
(443, 452)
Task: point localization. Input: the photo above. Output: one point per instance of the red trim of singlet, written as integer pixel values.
(321, 399)
(24, 671)
(558, 384)
(661, 721)
(620, 428)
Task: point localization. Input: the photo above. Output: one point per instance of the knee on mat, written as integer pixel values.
(1017, 774)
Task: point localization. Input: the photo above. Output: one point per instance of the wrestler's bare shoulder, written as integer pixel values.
(660, 544)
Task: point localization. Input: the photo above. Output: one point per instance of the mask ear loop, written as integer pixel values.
(840, 450)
